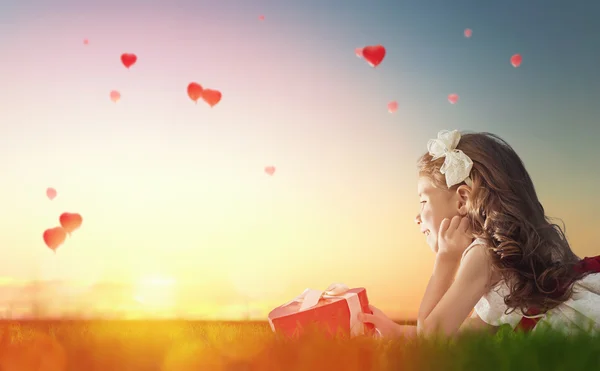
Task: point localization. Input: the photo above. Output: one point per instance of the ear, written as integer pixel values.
(463, 192)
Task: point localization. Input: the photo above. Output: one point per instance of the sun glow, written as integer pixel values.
(156, 293)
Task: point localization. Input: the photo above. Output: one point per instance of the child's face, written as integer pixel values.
(436, 204)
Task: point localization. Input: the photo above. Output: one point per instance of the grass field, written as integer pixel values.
(185, 346)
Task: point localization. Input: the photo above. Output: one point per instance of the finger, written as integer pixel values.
(444, 226)
(377, 333)
(369, 318)
(464, 225)
(454, 223)
(374, 309)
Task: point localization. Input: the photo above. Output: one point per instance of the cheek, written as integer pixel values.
(428, 216)
(431, 219)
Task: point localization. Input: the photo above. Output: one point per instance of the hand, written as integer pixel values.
(387, 328)
(453, 238)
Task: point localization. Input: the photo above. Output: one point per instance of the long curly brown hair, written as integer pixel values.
(530, 252)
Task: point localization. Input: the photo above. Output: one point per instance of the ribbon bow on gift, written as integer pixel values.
(457, 165)
(310, 297)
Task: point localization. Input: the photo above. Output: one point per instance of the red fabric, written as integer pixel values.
(527, 324)
(587, 264)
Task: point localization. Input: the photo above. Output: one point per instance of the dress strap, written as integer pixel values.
(477, 241)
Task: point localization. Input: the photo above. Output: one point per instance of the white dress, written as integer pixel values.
(581, 311)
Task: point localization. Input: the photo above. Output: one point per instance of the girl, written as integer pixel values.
(496, 250)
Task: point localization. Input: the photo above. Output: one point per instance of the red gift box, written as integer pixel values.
(334, 310)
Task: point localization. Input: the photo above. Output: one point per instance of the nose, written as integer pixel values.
(418, 219)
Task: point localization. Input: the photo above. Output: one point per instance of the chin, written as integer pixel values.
(432, 245)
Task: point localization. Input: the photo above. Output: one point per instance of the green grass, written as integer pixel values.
(183, 346)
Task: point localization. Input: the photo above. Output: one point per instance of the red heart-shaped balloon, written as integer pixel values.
(212, 97)
(373, 54)
(194, 91)
(70, 221)
(54, 237)
(115, 96)
(128, 59)
(516, 60)
(270, 170)
(358, 52)
(261, 17)
(51, 193)
(453, 98)
(392, 107)
(468, 33)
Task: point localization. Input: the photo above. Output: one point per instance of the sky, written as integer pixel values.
(173, 191)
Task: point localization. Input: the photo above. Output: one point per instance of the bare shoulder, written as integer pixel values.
(478, 248)
(476, 263)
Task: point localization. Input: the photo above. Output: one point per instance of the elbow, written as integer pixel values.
(422, 326)
(420, 322)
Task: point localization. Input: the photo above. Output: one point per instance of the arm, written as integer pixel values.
(451, 310)
(444, 269)
(473, 323)
(443, 274)
(407, 331)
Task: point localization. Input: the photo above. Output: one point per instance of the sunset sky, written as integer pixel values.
(172, 190)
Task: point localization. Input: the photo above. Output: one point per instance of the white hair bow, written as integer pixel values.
(457, 166)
